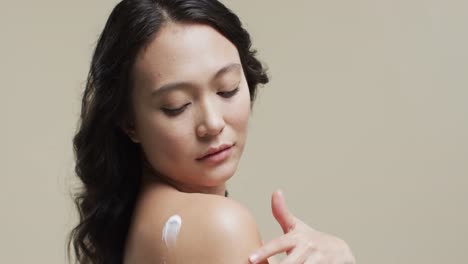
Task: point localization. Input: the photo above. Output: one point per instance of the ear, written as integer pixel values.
(128, 128)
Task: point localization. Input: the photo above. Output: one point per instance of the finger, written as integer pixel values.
(281, 213)
(297, 256)
(273, 247)
(315, 258)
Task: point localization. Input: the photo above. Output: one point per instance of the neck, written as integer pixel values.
(151, 177)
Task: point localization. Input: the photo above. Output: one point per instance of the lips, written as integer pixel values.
(215, 150)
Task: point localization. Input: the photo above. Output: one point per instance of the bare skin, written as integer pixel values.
(214, 229)
(190, 97)
(300, 242)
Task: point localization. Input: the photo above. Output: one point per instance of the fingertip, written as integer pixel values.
(281, 194)
(278, 198)
(277, 195)
(279, 191)
(253, 258)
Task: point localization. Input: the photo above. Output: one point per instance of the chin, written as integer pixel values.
(219, 175)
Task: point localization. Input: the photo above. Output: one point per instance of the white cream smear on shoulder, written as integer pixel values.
(171, 230)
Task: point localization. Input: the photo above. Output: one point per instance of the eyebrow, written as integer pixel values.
(175, 85)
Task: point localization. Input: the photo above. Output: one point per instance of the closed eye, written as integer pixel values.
(229, 94)
(174, 111)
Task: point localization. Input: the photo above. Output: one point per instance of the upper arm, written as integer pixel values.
(214, 230)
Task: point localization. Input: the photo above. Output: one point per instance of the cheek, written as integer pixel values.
(164, 141)
(239, 115)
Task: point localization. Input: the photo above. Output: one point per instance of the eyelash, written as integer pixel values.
(174, 111)
(177, 111)
(229, 94)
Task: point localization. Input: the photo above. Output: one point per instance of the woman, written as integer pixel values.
(163, 126)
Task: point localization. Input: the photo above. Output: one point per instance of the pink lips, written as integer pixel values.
(217, 154)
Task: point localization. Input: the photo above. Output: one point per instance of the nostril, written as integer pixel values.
(211, 119)
(204, 130)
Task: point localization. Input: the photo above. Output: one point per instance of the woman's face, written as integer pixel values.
(190, 97)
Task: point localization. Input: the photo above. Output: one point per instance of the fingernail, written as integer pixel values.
(281, 193)
(253, 258)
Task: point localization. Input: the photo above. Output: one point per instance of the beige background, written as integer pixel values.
(364, 124)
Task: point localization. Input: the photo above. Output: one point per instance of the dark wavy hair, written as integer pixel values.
(108, 163)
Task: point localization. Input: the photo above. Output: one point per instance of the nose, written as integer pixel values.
(211, 122)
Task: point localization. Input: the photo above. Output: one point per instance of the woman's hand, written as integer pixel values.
(301, 243)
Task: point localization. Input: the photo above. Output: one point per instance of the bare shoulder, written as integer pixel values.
(222, 224)
(197, 228)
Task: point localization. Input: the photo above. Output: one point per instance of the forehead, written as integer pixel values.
(183, 52)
